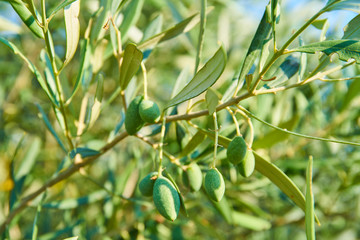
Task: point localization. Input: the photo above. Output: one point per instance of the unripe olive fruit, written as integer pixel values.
(192, 177)
(214, 184)
(246, 167)
(236, 150)
(166, 198)
(133, 121)
(146, 185)
(149, 111)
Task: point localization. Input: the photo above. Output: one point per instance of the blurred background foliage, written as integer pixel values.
(104, 202)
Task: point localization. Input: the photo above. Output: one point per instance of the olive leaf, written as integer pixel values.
(203, 79)
(262, 33)
(309, 212)
(131, 15)
(212, 100)
(26, 16)
(182, 27)
(352, 5)
(130, 65)
(32, 68)
(346, 49)
(352, 29)
(72, 27)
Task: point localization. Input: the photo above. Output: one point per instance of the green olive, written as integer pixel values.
(214, 184)
(133, 121)
(236, 150)
(146, 185)
(166, 198)
(149, 111)
(192, 177)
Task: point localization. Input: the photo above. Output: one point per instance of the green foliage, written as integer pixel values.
(68, 169)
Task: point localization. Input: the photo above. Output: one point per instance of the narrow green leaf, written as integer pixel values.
(84, 152)
(352, 29)
(60, 6)
(130, 64)
(323, 25)
(285, 71)
(26, 165)
(131, 16)
(49, 76)
(201, 34)
(96, 108)
(224, 208)
(195, 141)
(153, 28)
(309, 212)
(71, 238)
(38, 210)
(352, 5)
(212, 100)
(280, 179)
(72, 203)
(262, 33)
(49, 126)
(203, 79)
(250, 222)
(85, 68)
(26, 16)
(182, 27)
(346, 49)
(31, 66)
(100, 17)
(72, 27)
(353, 91)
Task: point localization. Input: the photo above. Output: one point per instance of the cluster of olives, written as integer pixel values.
(139, 112)
(239, 155)
(165, 195)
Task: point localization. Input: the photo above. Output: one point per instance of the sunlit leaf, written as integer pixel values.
(352, 29)
(203, 79)
(346, 49)
(72, 28)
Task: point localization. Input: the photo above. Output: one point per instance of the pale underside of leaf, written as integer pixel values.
(72, 26)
